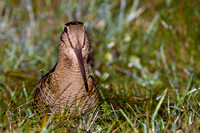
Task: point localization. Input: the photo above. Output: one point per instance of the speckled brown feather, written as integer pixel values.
(64, 88)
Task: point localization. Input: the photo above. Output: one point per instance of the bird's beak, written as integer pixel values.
(78, 52)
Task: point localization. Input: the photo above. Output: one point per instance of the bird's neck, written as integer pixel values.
(66, 64)
(68, 72)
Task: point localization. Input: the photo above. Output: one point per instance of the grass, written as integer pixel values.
(144, 54)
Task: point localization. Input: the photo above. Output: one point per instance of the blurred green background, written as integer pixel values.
(140, 51)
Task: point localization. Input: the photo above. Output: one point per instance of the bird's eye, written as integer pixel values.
(84, 47)
(65, 30)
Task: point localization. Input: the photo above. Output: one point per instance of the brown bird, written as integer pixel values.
(68, 86)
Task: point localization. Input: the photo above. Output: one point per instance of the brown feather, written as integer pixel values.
(64, 87)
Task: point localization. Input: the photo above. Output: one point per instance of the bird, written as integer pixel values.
(69, 88)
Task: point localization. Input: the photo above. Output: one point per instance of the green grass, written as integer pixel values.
(145, 55)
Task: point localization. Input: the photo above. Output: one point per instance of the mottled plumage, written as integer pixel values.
(68, 85)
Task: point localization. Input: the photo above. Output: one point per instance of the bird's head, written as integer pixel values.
(74, 44)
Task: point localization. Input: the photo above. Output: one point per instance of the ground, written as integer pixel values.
(144, 55)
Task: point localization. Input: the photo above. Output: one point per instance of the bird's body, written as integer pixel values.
(68, 85)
